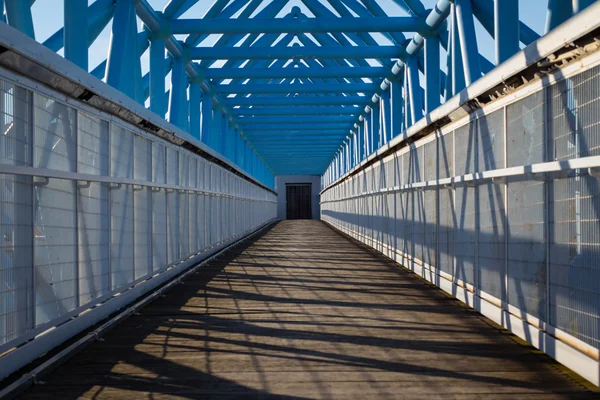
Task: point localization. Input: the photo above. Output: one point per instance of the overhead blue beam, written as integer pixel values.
(172, 8)
(308, 25)
(298, 88)
(296, 52)
(274, 73)
(295, 101)
(321, 110)
(216, 11)
(297, 127)
(297, 120)
(280, 137)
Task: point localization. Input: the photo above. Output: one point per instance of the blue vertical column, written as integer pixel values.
(18, 15)
(235, 141)
(178, 99)
(157, 76)
(195, 101)
(506, 29)
(432, 73)
(360, 141)
(366, 137)
(414, 89)
(120, 59)
(406, 95)
(207, 119)
(458, 74)
(75, 39)
(397, 108)
(224, 135)
(386, 115)
(375, 126)
(558, 12)
(468, 40)
(351, 153)
(217, 127)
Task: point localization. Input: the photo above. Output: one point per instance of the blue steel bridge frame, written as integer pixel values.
(296, 94)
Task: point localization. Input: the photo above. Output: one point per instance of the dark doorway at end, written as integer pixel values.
(298, 200)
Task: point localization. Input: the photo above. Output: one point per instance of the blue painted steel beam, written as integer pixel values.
(506, 29)
(157, 76)
(120, 59)
(295, 52)
(274, 73)
(298, 120)
(297, 131)
(416, 102)
(432, 73)
(298, 88)
(468, 40)
(298, 127)
(322, 110)
(558, 12)
(207, 118)
(484, 11)
(217, 11)
(195, 107)
(18, 15)
(76, 22)
(99, 15)
(172, 8)
(178, 99)
(295, 101)
(300, 25)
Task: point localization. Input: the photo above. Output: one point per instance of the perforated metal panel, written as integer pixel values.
(527, 245)
(491, 218)
(574, 209)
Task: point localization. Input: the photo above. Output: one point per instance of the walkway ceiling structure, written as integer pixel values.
(297, 82)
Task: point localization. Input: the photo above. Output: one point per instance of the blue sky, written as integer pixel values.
(48, 18)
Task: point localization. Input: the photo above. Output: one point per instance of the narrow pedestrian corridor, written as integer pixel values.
(302, 312)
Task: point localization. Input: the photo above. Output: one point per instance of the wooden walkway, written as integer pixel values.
(303, 312)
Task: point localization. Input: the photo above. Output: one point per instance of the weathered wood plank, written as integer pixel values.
(302, 312)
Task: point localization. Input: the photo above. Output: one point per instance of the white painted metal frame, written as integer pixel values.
(581, 357)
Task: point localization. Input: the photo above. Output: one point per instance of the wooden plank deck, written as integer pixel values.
(303, 312)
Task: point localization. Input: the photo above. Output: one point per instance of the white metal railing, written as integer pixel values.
(501, 209)
(94, 212)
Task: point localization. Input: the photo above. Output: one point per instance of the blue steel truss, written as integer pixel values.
(295, 93)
